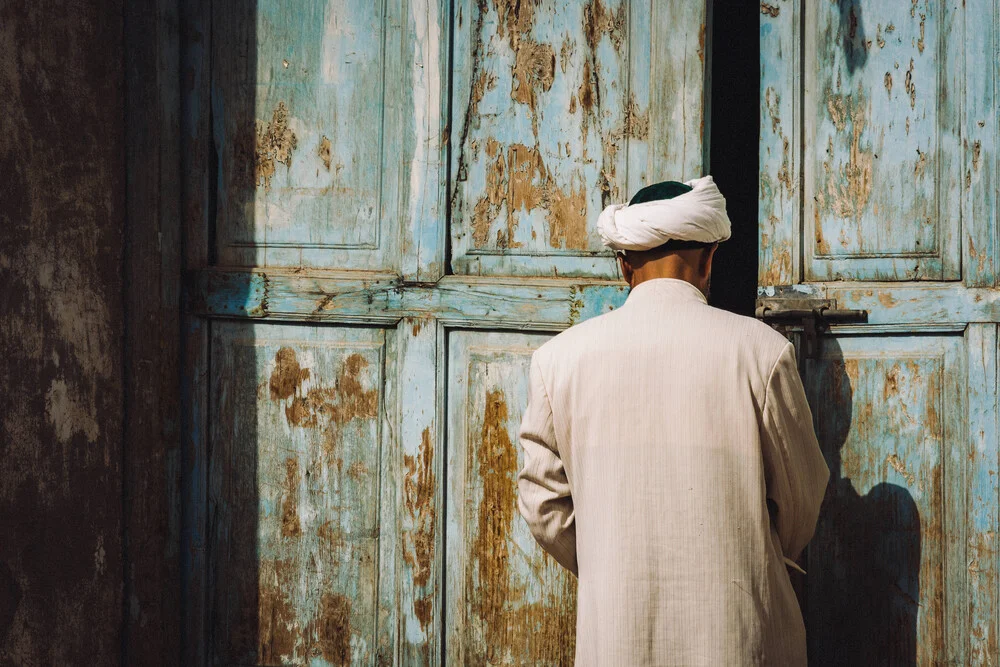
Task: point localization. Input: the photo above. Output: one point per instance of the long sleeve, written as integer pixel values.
(795, 471)
(543, 489)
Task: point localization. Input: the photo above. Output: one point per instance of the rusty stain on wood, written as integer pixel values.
(911, 90)
(784, 174)
(534, 69)
(599, 20)
(517, 180)
(287, 376)
(419, 493)
(636, 120)
(566, 52)
(275, 143)
(324, 151)
(290, 525)
(772, 102)
(543, 630)
(347, 399)
(770, 10)
(920, 164)
(849, 186)
(920, 41)
(976, 149)
(894, 462)
(357, 470)
(888, 84)
(278, 624)
(329, 633)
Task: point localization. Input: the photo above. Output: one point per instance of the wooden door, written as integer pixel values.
(878, 189)
(389, 206)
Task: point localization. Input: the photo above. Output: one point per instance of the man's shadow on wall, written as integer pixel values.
(863, 588)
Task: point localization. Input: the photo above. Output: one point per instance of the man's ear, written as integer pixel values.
(627, 271)
(705, 261)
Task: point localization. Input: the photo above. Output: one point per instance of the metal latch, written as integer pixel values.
(810, 316)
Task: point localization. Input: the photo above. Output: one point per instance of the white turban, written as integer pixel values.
(697, 215)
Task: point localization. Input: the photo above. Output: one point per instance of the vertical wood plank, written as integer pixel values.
(983, 496)
(951, 75)
(677, 88)
(62, 224)
(195, 143)
(151, 498)
(779, 204)
(641, 168)
(508, 602)
(423, 85)
(419, 498)
(979, 143)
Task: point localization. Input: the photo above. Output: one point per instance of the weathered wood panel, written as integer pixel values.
(779, 203)
(882, 163)
(979, 142)
(508, 602)
(328, 130)
(152, 466)
(459, 300)
(196, 209)
(62, 221)
(889, 556)
(883, 167)
(418, 475)
(296, 496)
(984, 496)
(551, 122)
(303, 171)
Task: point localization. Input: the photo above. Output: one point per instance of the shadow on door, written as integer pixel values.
(863, 585)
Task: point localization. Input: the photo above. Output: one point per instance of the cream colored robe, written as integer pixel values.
(654, 437)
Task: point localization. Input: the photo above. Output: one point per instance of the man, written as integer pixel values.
(670, 459)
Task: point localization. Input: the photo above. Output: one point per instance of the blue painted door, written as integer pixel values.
(878, 189)
(389, 206)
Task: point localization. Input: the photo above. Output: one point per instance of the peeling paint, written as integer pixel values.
(290, 524)
(517, 180)
(897, 464)
(543, 630)
(275, 144)
(772, 102)
(566, 53)
(329, 633)
(68, 416)
(287, 376)
(419, 493)
(911, 90)
(346, 400)
(534, 69)
(920, 164)
(323, 151)
(848, 186)
(770, 10)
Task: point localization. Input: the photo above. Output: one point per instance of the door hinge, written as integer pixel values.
(810, 316)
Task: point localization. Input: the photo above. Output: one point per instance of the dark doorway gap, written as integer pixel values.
(733, 155)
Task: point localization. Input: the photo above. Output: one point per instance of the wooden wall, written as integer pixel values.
(89, 519)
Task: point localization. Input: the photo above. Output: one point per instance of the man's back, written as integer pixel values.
(654, 437)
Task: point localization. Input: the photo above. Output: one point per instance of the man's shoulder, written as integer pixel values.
(745, 337)
(573, 339)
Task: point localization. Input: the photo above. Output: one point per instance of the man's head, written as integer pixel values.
(668, 230)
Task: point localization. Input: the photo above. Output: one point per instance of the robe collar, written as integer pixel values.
(668, 289)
